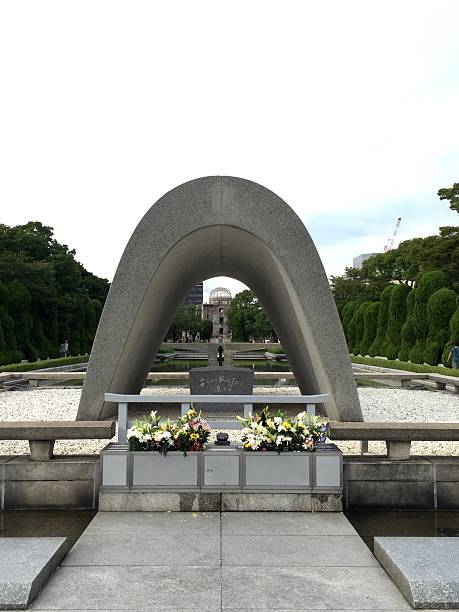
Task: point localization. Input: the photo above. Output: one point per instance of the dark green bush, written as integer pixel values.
(376, 347)
(427, 284)
(395, 319)
(359, 323)
(351, 335)
(453, 333)
(407, 336)
(346, 316)
(440, 309)
(370, 327)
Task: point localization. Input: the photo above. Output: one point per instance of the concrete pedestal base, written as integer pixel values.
(152, 501)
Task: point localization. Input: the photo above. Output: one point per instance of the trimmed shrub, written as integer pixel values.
(440, 309)
(359, 322)
(19, 305)
(376, 347)
(425, 287)
(351, 335)
(453, 334)
(370, 327)
(395, 319)
(407, 336)
(346, 316)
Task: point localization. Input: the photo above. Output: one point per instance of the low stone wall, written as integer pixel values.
(419, 483)
(67, 482)
(72, 482)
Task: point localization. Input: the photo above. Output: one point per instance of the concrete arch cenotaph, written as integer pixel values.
(219, 226)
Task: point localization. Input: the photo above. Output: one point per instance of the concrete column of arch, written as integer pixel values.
(220, 226)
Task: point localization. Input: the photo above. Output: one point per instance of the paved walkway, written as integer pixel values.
(212, 562)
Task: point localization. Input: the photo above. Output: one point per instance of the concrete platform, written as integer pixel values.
(25, 566)
(215, 561)
(425, 569)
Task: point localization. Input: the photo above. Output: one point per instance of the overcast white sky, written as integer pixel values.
(347, 110)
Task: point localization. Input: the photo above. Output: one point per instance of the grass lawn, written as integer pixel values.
(403, 365)
(45, 363)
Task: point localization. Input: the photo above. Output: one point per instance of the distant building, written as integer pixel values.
(217, 310)
(196, 295)
(358, 261)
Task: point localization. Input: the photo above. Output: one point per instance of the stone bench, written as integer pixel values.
(42, 434)
(398, 436)
(441, 380)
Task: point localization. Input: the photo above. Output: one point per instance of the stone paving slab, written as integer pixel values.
(213, 561)
(286, 523)
(310, 588)
(148, 523)
(25, 566)
(305, 551)
(162, 548)
(131, 588)
(425, 569)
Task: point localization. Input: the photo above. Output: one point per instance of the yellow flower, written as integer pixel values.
(194, 436)
(286, 424)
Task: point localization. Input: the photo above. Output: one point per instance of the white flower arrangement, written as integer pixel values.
(262, 432)
(188, 433)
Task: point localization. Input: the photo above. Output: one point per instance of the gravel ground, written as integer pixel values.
(378, 404)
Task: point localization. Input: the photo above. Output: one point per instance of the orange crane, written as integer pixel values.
(391, 241)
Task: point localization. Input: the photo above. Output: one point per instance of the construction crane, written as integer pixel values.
(391, 241)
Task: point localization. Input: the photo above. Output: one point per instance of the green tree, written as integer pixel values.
(187, 319)
(408, 337)
(20, 301)
(440, 309)
(60, 294)
(206, 330)
(383, 314)
(427, 285)
(359, 325)
(453, 334)
(247, 318)
(370, 326)
(347, 313)
(395, 321)
(452, 195)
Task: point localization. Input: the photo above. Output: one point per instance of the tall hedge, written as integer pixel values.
(376, 346)
(427, 284)
(395, 319)
(347, 313)
(359, 322)
(407, 336)
(453, 333)
(20, 301)
(370, 327)
(8, 345)
(440, 309)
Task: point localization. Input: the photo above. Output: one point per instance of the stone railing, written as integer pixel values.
(42, 434)
(398, 436)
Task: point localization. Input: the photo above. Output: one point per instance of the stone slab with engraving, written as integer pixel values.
(224, 380)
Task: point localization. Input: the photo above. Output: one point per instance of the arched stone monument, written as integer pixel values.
(220, 226)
